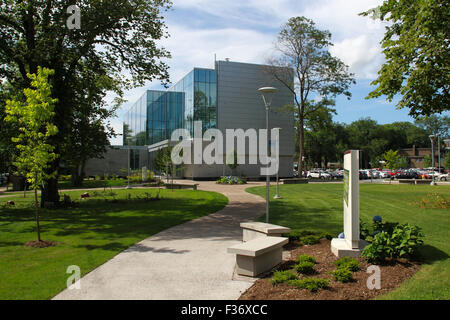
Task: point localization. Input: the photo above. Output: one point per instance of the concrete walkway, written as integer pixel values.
(188, 261)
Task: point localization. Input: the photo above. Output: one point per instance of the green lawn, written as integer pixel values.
(88, 235)
(319, 207)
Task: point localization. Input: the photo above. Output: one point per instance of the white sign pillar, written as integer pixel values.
(351, 198)
(350, 245)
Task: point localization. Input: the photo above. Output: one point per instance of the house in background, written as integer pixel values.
(416, 156)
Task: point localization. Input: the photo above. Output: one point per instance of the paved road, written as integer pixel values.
(188, 261)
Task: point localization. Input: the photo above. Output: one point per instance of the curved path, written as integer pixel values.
(188, 261)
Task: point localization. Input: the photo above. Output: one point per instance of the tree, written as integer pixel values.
(417, 51)
(34, 119)
(434, 125)
(446, 161)
(163, 161)
(427, 162)
(233, 165)
(322, 137)
(407, 134)
(302, 52)
(393, 159)
(89, 133)
(361, 137)
(115, 36)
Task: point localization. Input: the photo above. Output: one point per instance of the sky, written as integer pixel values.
(245, 31)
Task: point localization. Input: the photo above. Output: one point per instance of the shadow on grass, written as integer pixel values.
(429, 254)
(324, 219)
(112, 222)
(11, 243)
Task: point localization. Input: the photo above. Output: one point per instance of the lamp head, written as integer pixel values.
(267, 94)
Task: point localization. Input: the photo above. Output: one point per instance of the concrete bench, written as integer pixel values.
(253, 230)
(294, 181)
(258, 255)
(415, 181)
(181, 186)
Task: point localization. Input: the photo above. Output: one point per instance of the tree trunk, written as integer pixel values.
(36, 213)
(78, 175)
(50, 192)
(301, 145)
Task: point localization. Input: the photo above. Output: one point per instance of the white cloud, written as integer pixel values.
(196, 48)
(361, 54)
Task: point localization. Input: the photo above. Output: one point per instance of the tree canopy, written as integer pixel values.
(114, 49)
(417, 50)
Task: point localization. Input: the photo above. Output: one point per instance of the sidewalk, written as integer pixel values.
(188, 261)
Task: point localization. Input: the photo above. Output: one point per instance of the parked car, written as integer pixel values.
(318, 174)
(385, 174)
(407, 174)
(363, 175)
(444, 177)
(338, 174)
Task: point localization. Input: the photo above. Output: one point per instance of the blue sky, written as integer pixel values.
(245, 31)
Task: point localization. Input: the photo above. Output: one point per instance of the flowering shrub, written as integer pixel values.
(230, 180)
(393, 241)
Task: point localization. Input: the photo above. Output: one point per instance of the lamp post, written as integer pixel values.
(267, 95)
(432, 157)
(128, 184)
(277, 196)
(439, 152)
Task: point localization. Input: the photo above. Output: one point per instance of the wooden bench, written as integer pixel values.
(181, 186)
(258, 255)
(253, 230)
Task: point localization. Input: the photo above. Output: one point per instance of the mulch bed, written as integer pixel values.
(40, 244)
(393, 273)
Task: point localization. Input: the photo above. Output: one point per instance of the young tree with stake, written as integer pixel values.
(34, 119)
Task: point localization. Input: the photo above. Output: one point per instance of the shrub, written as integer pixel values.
(351, 264)
(363, 230)
(311, 239)
(433, 200)
(305, 258)
(402, 242)
(311, 284)
(282, 276)
(230, 180)
(343, 275)
(326, 235)
(296, 235)
(307, 237)
(305, 267)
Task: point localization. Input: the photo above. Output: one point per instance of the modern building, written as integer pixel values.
(225, 97)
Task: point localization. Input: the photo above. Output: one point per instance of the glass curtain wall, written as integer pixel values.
(157, 114)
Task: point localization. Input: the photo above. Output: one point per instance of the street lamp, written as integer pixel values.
(267, 95)
(277, 196)
(129, 173)
(439, 152)
(432, 156)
